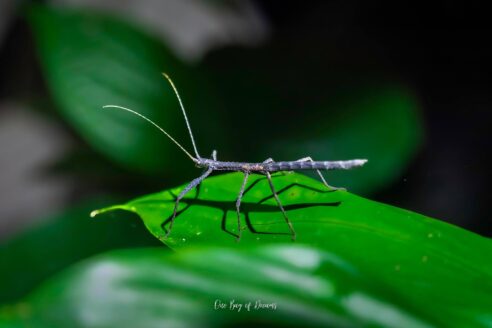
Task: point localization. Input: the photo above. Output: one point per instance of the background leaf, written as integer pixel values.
(91, 60)
(431, 263)
(380, 123)
(152, 288)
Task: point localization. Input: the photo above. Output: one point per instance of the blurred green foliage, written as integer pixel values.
(379, 123)
(153, 288)
(90, 60)
(33, 256)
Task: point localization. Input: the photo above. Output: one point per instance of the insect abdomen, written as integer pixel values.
(288, 166)
(317, 165)
(281, 166)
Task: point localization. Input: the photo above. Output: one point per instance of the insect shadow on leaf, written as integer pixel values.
(248, 207)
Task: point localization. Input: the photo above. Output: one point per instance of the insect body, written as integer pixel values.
(267, 167)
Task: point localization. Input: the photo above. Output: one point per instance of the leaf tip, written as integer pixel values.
(94, 213)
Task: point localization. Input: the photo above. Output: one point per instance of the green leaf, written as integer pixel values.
(90, 60)
(28, 259)
(152, 288)
(431, 263)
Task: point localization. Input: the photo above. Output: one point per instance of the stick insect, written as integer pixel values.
(266, 167)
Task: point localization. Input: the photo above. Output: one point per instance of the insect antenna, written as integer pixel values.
(184, 112)
(154, 124)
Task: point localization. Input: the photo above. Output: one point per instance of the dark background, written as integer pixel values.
(442, 50)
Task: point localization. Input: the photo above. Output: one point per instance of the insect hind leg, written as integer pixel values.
(309, 159)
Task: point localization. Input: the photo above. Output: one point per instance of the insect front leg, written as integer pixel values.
(309, 159)
(238, 205)
(190, 186)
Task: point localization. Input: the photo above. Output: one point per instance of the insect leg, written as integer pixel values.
(269, 178)
(238, 205)
(190, 186)
(309, 159)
